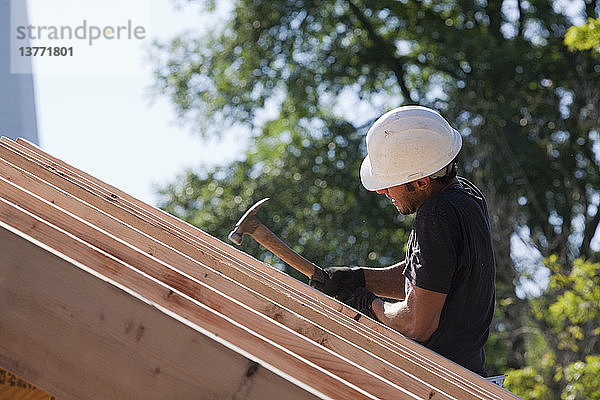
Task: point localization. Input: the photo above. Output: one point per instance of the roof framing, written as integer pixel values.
(312, 340)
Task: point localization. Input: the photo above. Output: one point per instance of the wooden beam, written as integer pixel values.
(411, 356)
(80, 335)
(384, 369)
(233, 305)
(13, 387)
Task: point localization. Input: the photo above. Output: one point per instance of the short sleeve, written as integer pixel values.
(431, 259)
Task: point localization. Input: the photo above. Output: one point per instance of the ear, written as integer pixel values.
(423, 183)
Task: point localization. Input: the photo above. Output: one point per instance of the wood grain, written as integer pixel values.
(81, 336)
(208, 286)
(325, 312)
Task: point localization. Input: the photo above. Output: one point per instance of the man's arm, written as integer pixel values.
(386, 282)
(416, 317)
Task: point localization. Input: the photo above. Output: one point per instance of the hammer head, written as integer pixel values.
(246, 224)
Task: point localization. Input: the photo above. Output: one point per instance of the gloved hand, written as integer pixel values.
(339, 282)
(362, 300)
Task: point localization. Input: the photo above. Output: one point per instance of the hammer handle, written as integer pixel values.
(269, 240)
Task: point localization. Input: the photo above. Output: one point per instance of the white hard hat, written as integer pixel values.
(405, 144)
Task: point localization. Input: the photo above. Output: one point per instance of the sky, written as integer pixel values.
(112, 125)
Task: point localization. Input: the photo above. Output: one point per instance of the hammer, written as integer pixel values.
(250, 225)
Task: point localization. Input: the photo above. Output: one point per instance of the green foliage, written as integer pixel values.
(574, 313)
(578, 381)
(584, 37)
(291, 71)
(528, 383)
(527, 108)
(583, 379)
(564, 353)
(317, 203)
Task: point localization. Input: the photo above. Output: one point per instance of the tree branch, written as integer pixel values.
(446, 70)
(521, 21)
(590, 9)
(384, 49)
(520, 171)
(585, 96)
(589, 231)
(494, 11)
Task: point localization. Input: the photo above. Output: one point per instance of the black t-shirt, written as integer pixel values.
(450, 251)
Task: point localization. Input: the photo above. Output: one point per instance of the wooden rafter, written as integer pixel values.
(80, 335)
(359, 355)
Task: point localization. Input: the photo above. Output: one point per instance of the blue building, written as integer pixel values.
(17, 99)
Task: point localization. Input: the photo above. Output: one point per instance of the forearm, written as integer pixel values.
(397, 316)
(416, 317)
(386, 282)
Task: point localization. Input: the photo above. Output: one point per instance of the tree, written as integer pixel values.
(570, 321)
(528, 110)
(584, 37)
(317, 203)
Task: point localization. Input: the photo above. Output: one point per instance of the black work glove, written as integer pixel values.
(362, 300)
(338, 282)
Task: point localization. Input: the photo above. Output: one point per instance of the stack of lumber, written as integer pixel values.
(103, 296)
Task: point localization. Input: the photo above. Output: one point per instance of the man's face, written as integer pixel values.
(405, 197)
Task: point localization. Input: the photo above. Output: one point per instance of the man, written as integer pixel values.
(446, 282)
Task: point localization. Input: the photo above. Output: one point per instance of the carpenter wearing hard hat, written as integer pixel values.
(446, 282)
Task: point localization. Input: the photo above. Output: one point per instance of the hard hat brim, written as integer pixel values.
(373, 182)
